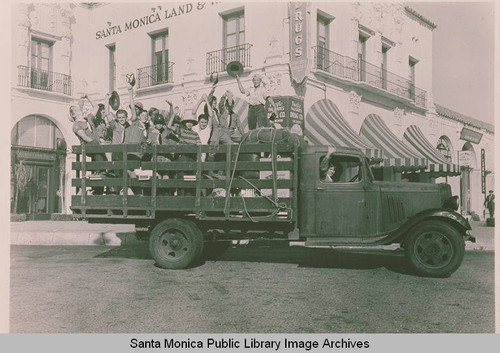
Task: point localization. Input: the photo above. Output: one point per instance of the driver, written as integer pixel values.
(332, 172)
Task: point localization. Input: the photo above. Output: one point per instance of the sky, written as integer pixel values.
(463, 55)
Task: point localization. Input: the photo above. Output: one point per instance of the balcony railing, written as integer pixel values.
(155, 75)
(218, 60)
(44, 80)
(362, 71)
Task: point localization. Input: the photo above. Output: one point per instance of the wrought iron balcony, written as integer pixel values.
(217, 60)
(362, 71)
(44, 80)
(155, 75)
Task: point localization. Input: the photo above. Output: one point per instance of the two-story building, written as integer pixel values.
(353, 74)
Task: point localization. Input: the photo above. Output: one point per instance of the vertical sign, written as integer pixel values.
(483, 172)
(298, 40)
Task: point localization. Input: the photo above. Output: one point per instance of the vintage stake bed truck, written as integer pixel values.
(266, 190)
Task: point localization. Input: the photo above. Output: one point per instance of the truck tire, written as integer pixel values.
(175, 243)
(435, 249)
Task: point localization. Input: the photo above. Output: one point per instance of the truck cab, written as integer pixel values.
(348, 207)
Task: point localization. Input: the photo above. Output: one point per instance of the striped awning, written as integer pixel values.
(325, 125)
(438, 165)
(396, 154)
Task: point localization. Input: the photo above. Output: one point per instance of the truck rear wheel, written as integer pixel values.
(175, 243)
(435, 249)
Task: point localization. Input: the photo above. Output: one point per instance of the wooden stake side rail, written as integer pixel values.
(236, 186)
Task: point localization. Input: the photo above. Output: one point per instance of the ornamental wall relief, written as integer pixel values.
(354, 100)
(398, 116)
(189, 97)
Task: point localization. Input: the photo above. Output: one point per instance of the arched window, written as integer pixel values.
(36, 131)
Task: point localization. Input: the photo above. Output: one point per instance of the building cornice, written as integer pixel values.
(419, 18)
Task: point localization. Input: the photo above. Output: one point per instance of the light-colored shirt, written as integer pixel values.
(257, 95)
(204, 134)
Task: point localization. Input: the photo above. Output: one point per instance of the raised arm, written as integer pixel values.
(107, 112)
(133, 115)
(170, 114)
(326, 161)
(240, 86)
(95, 107)
(211, 114)
(211, 93)
(197, 105)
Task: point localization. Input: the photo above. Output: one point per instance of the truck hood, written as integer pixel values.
(401, 200)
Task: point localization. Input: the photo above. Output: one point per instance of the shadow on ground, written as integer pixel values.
(301, 256)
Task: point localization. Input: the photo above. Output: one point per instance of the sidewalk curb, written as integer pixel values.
(74, 238)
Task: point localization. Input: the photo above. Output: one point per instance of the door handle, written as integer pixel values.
(320, 188)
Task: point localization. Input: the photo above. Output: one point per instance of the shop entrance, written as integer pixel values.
(38, 157)
(33, 199)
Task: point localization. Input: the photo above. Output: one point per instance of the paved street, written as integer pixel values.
(250, 289)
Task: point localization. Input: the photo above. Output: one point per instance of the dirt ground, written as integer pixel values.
(248, 290)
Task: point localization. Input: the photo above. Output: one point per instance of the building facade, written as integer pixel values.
(329, 66)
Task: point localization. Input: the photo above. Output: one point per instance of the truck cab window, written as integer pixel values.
(340, 169)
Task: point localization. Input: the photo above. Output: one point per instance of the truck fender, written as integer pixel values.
(451, 217)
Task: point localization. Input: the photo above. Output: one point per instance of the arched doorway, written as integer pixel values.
(38, 155)
(445, 147)
(467, 160)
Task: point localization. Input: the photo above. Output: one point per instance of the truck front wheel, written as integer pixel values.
(435, 249)
(175, 243)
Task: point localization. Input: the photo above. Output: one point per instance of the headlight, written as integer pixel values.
(451, 203)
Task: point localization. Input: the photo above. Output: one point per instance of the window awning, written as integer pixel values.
(438, 165)
(325, 125)
(396, 154)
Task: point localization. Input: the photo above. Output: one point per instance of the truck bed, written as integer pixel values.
(255, 182)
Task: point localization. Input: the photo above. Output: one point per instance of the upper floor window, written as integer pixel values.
(362, 56)
(159, 45)
(323, 40)
(234, 28)
(41, 54)
(323, 27)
